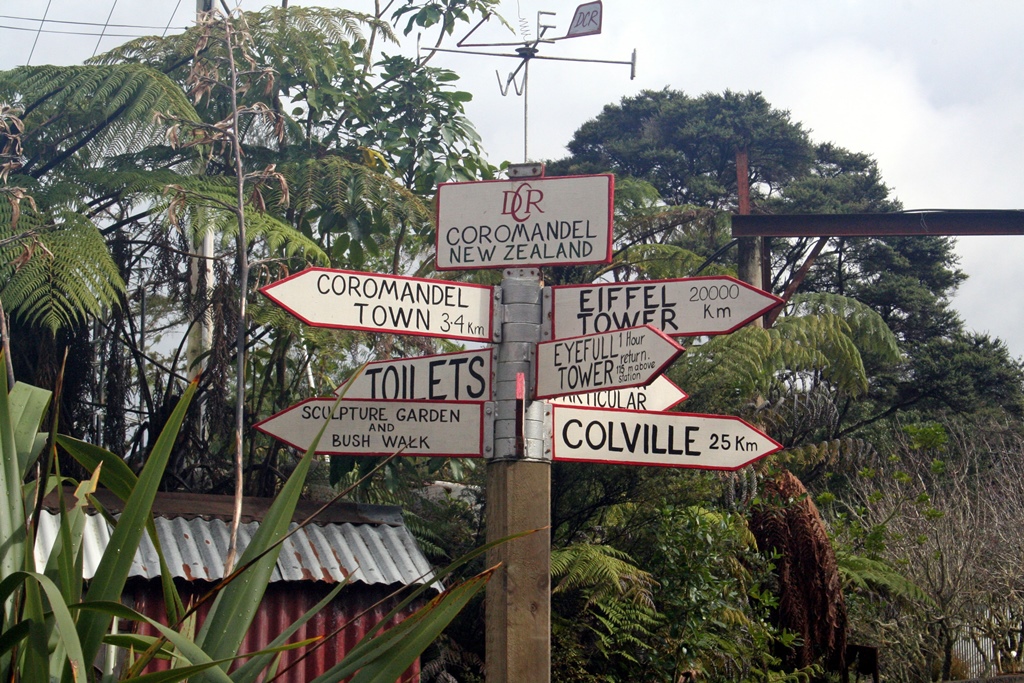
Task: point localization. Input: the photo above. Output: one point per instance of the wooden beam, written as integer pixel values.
(943, 223)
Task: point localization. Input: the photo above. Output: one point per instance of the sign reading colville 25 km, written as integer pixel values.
(631, 437)
(530, 222)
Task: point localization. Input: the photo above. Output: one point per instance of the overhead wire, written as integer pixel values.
(72, 33)
(36, 40)
(105, 25)
(89, 23)
(168, 27)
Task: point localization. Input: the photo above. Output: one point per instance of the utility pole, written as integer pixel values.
(200, 338)
(518, 599)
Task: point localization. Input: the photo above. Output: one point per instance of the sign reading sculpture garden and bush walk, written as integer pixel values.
(383, 427)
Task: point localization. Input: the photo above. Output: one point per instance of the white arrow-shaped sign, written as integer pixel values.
(459, 376)
(661, 394)
(352, 300)
(630, 437)
(684, 307)
(426, 428)
(611, 360)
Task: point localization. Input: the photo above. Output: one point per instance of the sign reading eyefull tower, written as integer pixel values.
(525, 222)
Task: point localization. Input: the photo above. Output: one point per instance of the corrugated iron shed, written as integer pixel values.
(370, 543)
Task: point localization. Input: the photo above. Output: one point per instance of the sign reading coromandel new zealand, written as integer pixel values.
(351, 300)
(430, 428)
(525, 222)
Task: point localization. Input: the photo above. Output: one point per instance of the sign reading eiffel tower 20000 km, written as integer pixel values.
(682, 307)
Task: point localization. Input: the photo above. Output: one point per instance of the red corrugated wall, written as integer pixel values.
(352, 612)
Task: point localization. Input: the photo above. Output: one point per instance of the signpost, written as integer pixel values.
(527, 222)
(631, 437)
(351, 300)
(661, 394)
(459, 376)
(684, 307)
(605, 344)
(435, 428)
(610, 360)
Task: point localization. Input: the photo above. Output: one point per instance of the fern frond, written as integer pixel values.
(83, 114)
(602, 571)
(657, 261)
(68, 274)
(867, 328)
(872, 575)
(743, 362)
(207, 204)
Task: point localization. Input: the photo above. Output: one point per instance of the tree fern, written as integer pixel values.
(876, 576)
(820, 339)
(350, 208)
(867, 328)
(602, 572)
(612, 597)
(59, 274)
(75, 116)
(656, 261)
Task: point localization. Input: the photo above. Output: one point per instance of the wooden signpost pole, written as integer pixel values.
(518, 607)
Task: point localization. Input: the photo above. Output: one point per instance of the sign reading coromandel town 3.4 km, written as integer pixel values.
(526, 222)
(350, 300)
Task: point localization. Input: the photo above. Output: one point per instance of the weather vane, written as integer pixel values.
(586, 21)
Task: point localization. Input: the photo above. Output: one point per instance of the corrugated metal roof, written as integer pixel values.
(195, 550)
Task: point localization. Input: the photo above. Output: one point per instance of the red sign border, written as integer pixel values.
(778, 301)
(333, 399)
(660, 370)
(490, 305)
(607, 258)
(602, 461)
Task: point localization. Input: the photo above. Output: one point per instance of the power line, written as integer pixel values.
(33, 50)
(168, 27)
(90, 23)
(70, 33)
(105, 26)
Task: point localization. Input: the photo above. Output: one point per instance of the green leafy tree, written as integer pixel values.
(339, 141)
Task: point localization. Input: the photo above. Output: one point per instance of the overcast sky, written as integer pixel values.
(933, 89)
